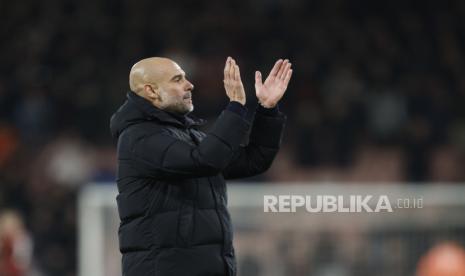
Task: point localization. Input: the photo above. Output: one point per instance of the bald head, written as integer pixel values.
(162, 82)
(149, 71)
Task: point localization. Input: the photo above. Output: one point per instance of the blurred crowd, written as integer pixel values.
(377, 92)
(342, 252)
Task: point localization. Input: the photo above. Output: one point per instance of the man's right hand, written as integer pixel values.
(232, 82)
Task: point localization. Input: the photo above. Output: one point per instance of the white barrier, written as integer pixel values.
(259, 235)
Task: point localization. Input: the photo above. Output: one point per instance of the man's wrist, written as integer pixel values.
(267, 105)
(241, 101)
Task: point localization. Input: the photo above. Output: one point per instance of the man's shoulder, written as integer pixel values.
(145, 128)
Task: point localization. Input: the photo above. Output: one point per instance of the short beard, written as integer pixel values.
(179, 108)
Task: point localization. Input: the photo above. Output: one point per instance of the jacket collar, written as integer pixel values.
(151, 112)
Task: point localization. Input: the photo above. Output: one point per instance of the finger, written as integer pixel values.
(231, 68)
(276, 67)
(226, 69)
(237, 75)
(288, 77)
(286, 70)
(258, 83)
(282, 68)
(258, 78)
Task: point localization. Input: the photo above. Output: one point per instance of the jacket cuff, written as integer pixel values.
(268, 130)
(274, 111)
(237, 108)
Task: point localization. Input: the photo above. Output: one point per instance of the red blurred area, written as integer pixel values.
(445, 259)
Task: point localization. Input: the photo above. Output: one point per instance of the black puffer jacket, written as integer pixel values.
(172, 193)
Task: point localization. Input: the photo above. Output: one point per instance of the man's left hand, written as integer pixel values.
(272, 90)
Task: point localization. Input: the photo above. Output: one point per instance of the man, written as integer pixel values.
(171, 177)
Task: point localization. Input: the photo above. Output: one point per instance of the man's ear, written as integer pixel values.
(152, 91)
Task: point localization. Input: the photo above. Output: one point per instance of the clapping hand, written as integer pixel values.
(272, 90)
(232, 82)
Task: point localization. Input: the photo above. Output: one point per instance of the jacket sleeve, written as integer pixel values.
(165, 157)
(264, 142)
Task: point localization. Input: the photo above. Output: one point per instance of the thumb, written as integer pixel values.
(258, 79)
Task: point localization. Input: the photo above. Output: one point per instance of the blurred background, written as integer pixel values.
(376, 97)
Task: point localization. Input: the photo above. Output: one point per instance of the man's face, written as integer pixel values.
(175, 91)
